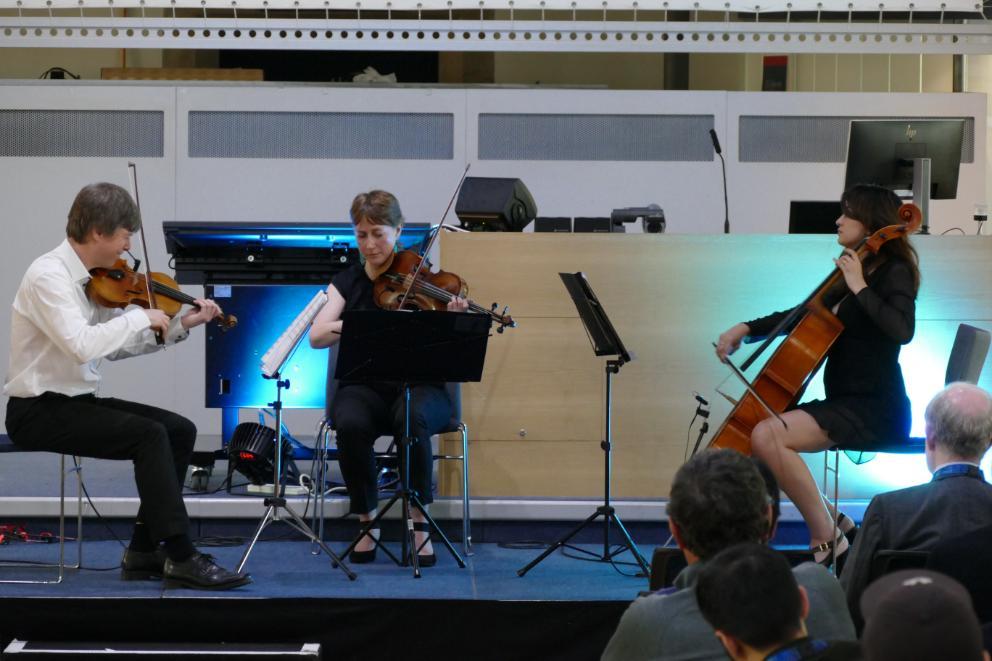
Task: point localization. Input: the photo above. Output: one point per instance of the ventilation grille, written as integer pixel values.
(82, 133)
(793, 139)
(360, 135)
(533, 137)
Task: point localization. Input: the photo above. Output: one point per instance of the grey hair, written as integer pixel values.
(102, 207)
(963, 428)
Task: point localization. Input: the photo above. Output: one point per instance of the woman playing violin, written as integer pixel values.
(361, 411)
(866, 398)
(58, 338)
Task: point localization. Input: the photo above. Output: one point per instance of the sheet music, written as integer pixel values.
(277, 354)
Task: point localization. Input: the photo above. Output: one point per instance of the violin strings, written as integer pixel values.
(444, 296)
(172, 293)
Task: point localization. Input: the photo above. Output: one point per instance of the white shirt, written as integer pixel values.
(58, 336)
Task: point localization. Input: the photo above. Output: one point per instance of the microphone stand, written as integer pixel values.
(723, 165)
(703, 428)
(726, 206)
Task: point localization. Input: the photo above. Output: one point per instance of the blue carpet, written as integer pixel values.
(287, 569)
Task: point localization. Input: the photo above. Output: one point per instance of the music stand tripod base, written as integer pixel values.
(605, 341)
(278, 502)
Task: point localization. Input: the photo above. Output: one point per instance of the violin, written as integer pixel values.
(427, 290)
(783, 379)
(121, 286)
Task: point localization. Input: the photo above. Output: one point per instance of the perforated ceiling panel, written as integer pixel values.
(331, 135)
(82, 133)
(797, 139)
(561, 137)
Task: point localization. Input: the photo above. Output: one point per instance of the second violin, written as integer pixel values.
(427, 290)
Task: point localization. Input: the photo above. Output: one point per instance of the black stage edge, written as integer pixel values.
(345, 628)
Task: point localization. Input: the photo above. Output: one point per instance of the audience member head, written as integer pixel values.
(718, 499)
(103, 208)
(920, 615)
(958, 425)
(774, 495)
(750, 597)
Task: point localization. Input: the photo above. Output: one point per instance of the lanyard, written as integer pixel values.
(799, 651)
(955, 470)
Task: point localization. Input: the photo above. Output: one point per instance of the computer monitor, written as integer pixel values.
(807, 217)
(882, 152)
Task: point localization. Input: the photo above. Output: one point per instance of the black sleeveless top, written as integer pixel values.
(355, 287)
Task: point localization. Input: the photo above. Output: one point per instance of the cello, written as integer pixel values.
(781, 382)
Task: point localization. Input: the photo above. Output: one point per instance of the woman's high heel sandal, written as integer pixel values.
(364, 557)
(847, 526)
(430, 559)
(828, 553)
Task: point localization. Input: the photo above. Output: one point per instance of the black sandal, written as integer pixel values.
(831, 552)
(365, 557)
(430, 559)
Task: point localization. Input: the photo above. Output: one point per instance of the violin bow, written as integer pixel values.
(430, 244)
(133, 176)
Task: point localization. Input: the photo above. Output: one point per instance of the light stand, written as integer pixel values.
(605, 341)
(273, 361)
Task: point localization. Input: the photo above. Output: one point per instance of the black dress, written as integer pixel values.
(361, 412)
(866, 400)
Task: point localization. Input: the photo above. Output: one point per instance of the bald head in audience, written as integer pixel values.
(958, 425)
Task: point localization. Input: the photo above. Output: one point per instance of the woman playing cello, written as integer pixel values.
(360, 411)
(866, 398)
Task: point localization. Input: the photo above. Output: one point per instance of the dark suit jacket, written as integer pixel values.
(966, 558)
(914, 519)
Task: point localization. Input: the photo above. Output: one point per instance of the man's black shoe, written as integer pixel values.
(142, 565)
(200, 572)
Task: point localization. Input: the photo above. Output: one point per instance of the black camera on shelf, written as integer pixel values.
(652, 217)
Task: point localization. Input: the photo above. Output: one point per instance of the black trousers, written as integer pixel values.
(159, 443)
(362, 413)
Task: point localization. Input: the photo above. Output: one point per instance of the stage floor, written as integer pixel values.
(287, 569)
(563, 608)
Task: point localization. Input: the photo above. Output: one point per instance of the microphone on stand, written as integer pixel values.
(703, 412)
(723, 164)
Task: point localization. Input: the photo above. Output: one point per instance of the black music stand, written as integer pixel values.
(410, 348)
(605, 342)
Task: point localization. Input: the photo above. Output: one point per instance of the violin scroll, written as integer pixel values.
(909, 214)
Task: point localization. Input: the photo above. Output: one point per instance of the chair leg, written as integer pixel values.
(77, 468)
(466, 513)
(320, 480)
(832, 496)
(60, 566)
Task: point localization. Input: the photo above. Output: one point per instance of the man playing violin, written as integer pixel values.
(866, 398)
(58, 338)
(360, 410)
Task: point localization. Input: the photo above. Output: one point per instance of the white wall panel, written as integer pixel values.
(37, 191)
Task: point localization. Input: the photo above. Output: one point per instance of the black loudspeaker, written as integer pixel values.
(595, 224)
(553, 224)
(492, 204)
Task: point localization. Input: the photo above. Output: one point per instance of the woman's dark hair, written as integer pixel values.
(876, 207)
(378, 207)
(102, 207)
(748, 591)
